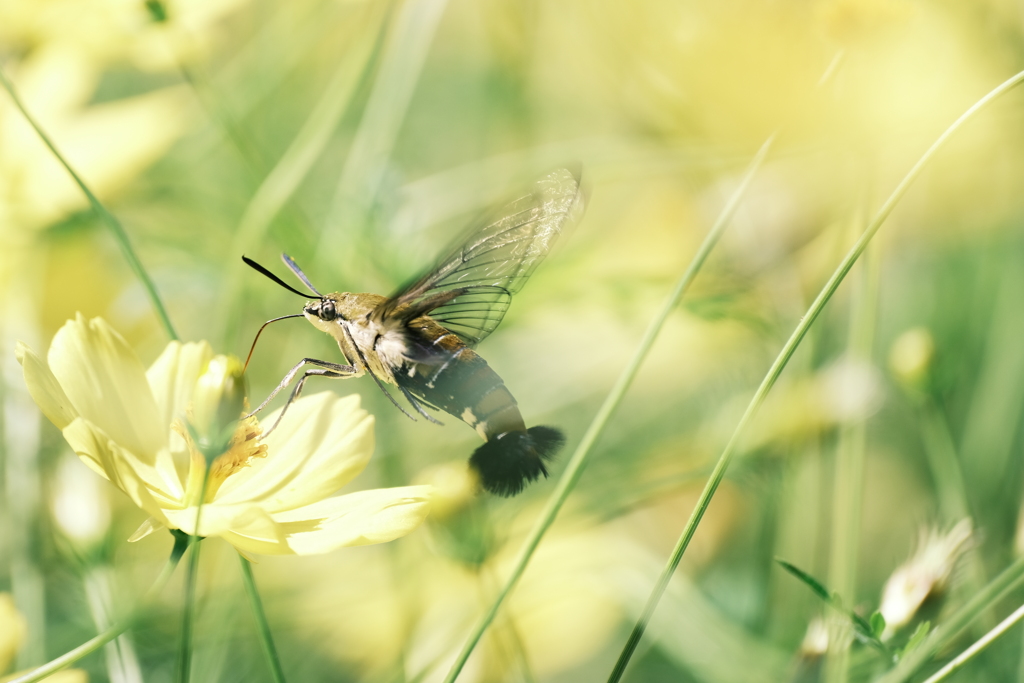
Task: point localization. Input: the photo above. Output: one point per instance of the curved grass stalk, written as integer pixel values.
(108, 219)
(780, 363)
(978, 646)
(95, 643)
(262, 625)
(574, 469)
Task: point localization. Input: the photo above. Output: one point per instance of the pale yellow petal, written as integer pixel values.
(43, 386)
(248, 521)
(362, 518)
(322, 444)
(145, 529)
(128, 473)
(106, 384)
(172, 377)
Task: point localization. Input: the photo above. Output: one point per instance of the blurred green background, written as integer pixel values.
(360, 136)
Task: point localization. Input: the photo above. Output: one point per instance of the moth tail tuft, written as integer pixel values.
(506, 464)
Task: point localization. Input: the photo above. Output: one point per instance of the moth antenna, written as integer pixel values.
(274, 320)
(294, 267)
(257, 267)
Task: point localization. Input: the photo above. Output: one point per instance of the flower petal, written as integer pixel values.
(238, 521)
(45, 389)
(145, 529)
(362, 518)
(172, 378)
(322, 444)
(125, 471)
(106, 384)
(173, 375)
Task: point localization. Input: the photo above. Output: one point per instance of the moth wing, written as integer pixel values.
(470, 289)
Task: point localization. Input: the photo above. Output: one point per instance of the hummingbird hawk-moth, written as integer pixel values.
(421, 339)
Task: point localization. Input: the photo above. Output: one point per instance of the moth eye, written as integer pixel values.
(327, 311)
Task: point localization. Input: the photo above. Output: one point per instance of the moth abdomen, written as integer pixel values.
(508, 462)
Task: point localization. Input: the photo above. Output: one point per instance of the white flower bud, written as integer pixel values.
(926, 573)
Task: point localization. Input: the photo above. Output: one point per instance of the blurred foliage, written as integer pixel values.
(360, 137)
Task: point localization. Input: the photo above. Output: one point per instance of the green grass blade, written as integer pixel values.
(283, 180)
(780, 363)
(574, 469)
(108, 219)
(94, 644)
(405, 51)
(262, 625)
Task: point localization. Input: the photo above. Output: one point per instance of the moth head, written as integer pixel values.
(323, 310)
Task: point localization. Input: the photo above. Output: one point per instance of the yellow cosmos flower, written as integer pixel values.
(264, 495)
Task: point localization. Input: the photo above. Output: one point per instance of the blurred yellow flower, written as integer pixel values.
(12, 633)
(266, 496)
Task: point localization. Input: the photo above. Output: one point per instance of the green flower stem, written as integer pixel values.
(120, 235)
(574, 469)
(780, 363)
(978, 646)
(262, 626)
(980, 602)
(188, 616)
(848, 482)
(93, 644)
(943, 462)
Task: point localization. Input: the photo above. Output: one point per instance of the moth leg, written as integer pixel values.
(419, 409)
(341, 370)
(316, 372)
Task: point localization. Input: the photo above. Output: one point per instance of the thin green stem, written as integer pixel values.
(983, 600)
(574, 469)
(978, 646)
(95, 643)
(848, 480)
(188, 615)
(262, 626)
(780, 363)
(943, 462)
(120, 235)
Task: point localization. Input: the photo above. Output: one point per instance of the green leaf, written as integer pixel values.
(916, 638)
(877, 624)
(811, 582)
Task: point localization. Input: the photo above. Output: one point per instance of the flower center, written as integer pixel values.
(244, 448)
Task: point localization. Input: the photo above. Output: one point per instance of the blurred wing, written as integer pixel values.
(470, 290)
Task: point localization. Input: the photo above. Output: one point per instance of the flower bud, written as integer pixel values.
(910, 358)
(217, 403)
